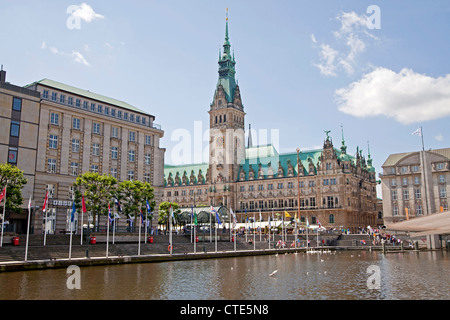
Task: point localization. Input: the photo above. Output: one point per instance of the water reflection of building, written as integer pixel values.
(330, 186)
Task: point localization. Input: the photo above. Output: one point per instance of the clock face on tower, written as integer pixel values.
(219, 142)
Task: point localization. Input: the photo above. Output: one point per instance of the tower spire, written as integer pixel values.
(227, 67)
(343, 146)
(226, 28)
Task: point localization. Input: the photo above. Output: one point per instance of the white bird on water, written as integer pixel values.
(273, 273)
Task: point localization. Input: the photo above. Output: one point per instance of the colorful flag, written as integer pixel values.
(119, 207)
(195, 218)
(109, 213)
(287, 214)
(234, 218)
(44, 207)
(83, 204)
(171, 212)
(142, 217)
(72, 216)
(3, 194)
(148, 207)
(217, 216)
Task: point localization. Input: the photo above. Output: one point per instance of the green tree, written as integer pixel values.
(134, 195)
(164, 209)
(97, 189)
(12, 176)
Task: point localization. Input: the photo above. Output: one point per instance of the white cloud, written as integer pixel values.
(439, 137)
(75, 55)
(327, 56)
(78, 57)
(350, 38)
(86, 13)
(406, 96)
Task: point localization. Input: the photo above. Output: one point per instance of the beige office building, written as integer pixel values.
(19, 126)
(81, 131)
(415, 184)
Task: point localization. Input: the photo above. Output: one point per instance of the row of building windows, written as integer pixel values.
(74, 170)
(418, 208)
(114, 152)
(416, 168)
(96, 128)
(290, 185)
(416, 180)
(327, 202)
(417, 194)
(91, 106)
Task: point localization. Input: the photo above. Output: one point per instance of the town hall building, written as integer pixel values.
(326, 185)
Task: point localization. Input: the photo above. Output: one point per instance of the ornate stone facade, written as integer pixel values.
(328, 185)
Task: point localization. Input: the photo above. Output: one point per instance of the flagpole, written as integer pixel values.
(114, 226)
(107, 228)
(270, 226)
(170, 229)
(210, 226)
(229, 225)
(195, 233)
(3, 218)
(260, 231)
(70, 242)
(28, 228)
(307, 227)
(81, 233)
(45, 227)
(421, 135)
(216, 234)
(235, 239)
(246, 226)
(145, 230)
(83, 207)
(139, 240)
(254, 232)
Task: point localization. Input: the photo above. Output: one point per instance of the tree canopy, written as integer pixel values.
(15, 181)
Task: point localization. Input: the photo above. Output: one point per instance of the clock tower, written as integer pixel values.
(226, 119)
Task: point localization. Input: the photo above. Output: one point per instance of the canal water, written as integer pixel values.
(342, 275)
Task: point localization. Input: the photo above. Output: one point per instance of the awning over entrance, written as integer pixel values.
(204, 214)
(436, 223)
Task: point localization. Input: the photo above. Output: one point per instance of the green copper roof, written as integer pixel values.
(227, 69)
(86, 93)
(188, 169)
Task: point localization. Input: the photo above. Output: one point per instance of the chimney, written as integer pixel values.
(2, 75)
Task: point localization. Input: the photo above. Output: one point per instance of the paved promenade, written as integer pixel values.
(55, 254)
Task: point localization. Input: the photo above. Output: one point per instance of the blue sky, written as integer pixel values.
(303, 66)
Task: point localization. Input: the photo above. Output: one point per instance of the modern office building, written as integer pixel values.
(330, 186)
(415, 184)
